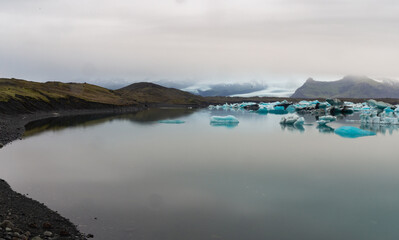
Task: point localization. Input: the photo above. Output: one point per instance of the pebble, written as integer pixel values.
(47, 225)
(6, 223)
(47, 234)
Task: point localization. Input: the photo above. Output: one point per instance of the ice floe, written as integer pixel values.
(353, 132)
(371, 113)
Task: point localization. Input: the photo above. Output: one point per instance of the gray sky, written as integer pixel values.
(199, 40)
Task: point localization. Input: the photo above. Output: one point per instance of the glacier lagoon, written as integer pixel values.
(132, 177)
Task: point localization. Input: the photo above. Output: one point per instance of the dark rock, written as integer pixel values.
(253, 107)
(64, 233)
(33, 225)
(6, 224)
(47, 225)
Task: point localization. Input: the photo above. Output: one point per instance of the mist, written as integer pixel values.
(197, 41)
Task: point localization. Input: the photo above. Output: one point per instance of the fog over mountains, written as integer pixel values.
(349, 87)
(242, 89)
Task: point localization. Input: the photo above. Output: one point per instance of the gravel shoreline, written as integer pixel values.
(22, 217)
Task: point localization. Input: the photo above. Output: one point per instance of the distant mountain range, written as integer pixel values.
(215, 89)
(349, 87)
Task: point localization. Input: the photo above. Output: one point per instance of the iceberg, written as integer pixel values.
(388, 110)
(262, 110)
(224, 119)
(378, 104)
(352, 132)
(291, 109)
(292, 120)
(328, 118)
(278, 110)
(168, 121)
(323, 120)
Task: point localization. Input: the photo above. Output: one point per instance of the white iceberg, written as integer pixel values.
(292, 119)
(328, 118)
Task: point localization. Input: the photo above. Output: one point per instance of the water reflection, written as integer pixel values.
(325, 129)
(292, 127)
(149, 116)
(380, 128)
(144, 180)
(225, 124)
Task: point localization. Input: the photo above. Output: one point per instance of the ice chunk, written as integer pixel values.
(388, 110)
(328, 118)
(262, 110)
(278, 110)
(300, 121)
(292, 119)
(224, 119)
(378, 104)
(169, 121)
(291, 109)
(352, 132)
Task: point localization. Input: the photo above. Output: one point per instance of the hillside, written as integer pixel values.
(21, 96)
(150, 93)
(348, 87)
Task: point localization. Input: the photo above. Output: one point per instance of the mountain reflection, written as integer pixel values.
(149, 116)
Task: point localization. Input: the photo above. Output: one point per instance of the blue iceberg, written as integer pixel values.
(226, 121)
(168, 121)
(262, 110)
(352, 132)
(278, 110)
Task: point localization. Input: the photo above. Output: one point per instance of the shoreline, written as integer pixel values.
(22, 217)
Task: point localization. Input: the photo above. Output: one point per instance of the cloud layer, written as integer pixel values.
(212, 40)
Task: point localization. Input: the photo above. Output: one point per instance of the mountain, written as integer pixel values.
(348, 87)
(150, 93)
(21, 96)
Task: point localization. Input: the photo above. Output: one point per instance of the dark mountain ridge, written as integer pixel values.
(348, 87)
(21, 96)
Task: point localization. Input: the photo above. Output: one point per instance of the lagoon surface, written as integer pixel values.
(131, 177)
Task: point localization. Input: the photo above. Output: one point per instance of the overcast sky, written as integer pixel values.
(200, 40)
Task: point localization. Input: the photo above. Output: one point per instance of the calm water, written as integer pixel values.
(146, 180)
